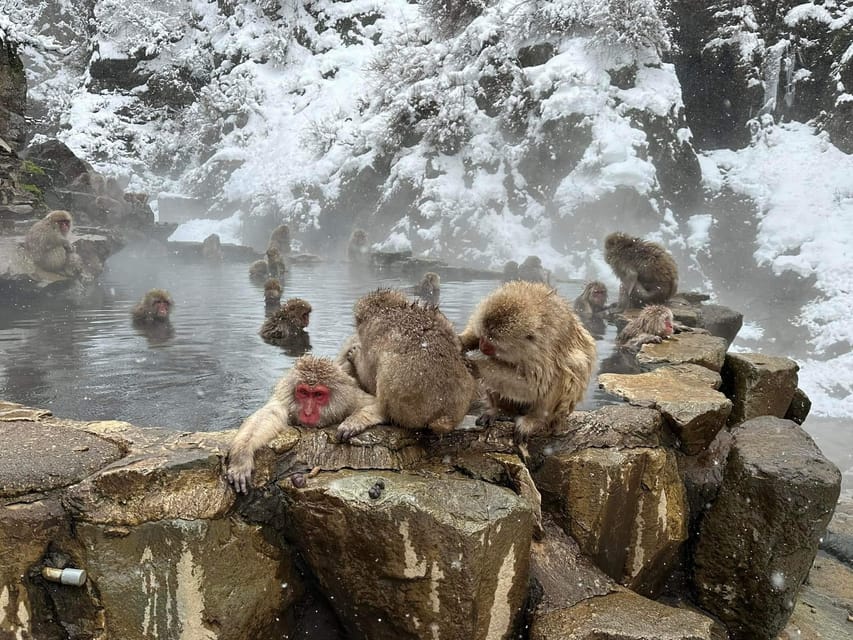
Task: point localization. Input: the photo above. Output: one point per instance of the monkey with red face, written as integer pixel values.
(315, 393)
(654, 324)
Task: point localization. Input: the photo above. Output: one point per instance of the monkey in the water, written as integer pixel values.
(48, 245)
(592, 300)
(537, 357)
(408, 355)
(211, 248)
(287, 323)
(532, 270)
(280, 239)
(315, 393)
(272, 266)
(510, 271)
(653, 324)
(646, 270)
(272, 295)
(154, 308)
(357, 247)
(429, 288)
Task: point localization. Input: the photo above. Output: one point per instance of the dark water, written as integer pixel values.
(86, 361)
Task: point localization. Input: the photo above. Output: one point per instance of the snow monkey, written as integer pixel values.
(648, 273)
(155, 307)
(211, 248)
(357, 247)
(533, 271)
(289, 322)
(537, 357)
(409, 356)
(592, 299)
(272, 266)
(653, 324)
(429, 288)
(280, 239)
(315, 393)
(272, 295)
(510, 271)
(48, 245)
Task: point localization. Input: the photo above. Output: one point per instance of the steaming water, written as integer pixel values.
(86, 361)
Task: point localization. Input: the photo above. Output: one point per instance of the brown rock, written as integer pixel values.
(685, 348)
(758, 385)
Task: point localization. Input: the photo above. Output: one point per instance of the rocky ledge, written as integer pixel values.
(663, 517)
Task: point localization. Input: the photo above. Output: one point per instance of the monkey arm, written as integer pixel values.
(258, 430)
(469, 340)
(361, 419)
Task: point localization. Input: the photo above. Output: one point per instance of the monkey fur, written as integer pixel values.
(48, 245)
(646, 270)
(653, 324)
(429, 288)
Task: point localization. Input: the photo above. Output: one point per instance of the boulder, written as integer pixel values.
(685, 394)
(759, 538)
(692, 348)
(758, 385)
(799, 408)
(720, 321)
(414, 555)
(824, 605)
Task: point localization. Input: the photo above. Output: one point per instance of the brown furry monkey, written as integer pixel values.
(537, 357)
(357, 248)
(211, 248)
(533, 271)
(272, 295)
(409, 356)
(429, 288)
(510, 271)
(155, 307)
(289, 322)
(280, 239)
(647, 271)
(592, 300)
(48, 245)
(315, 393)
(272, 266)
(653, 324)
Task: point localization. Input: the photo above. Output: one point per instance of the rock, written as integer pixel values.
(702, 475)
(13, 96)
(696, 348)
(440, 556)
(838, 540)
(759, 538)
(758, 385)
(624, 616)
(686, 396)
(720, 321)
(190, 578)
(799, 408)
(824, 604)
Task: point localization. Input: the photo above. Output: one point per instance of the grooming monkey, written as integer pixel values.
(288, 322)
(48, 245)
(409, 357)
(536, 356)
(647, 272)
(315, 393)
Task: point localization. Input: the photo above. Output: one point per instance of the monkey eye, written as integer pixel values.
(302, 393)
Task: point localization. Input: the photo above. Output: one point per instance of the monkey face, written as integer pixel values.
(161, 308)
(304, 319)
(64, 226)
(311, 400)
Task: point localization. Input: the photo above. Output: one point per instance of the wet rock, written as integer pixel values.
(758, 385)
(838, 540)
(190, 578)
(13, 96)
(38, 457)
(686, 396)
(824, 604)
(799, 408)
(444, 555)
(720, 321)
(702, 475)
(624, 616)
(759, 538)
(625, 507)
(696, 348)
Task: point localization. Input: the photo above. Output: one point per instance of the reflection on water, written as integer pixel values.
(86, 361)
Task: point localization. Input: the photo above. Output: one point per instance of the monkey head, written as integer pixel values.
(60, 220)
(160, 304)
(375, 301)
(359, 237)
(596, 294)
(312, 379)
(509, 323)
(297, 312)
(272, 289)
(617, 241)
(311, 400)
(659, 320)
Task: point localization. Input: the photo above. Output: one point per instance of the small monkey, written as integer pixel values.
(48, 245)
(429, 288)
(280, 239)
(272, 266)
(646, 270)
(532, 270)
(155, 307)
(211, 248)
(272, 295)
(409, 356)
(592, 300)
(653, 324)
(288, 323)
(537, 357)
(357, 247)
(510, 271)
(314, 394)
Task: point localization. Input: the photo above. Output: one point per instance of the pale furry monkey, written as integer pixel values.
(409, 356)
(315, 393)
(537, 357)
(653, 324)
(48, 245)
(592, 300)
(646, 270)
(429, 288)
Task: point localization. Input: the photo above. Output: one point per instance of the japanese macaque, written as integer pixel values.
(314, 394)
(288, 322)
(408, 355)
(592, 300)
(429, 288)
(280, 239)
(211, 248)
(154, 308)
(272, 295)
(647, 272)
(653, 324)
(272, 266)
(357, 248)
(48, 245)
(510, 271)
(532, 270)
(537, 357)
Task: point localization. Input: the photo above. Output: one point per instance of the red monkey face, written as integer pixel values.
(311, 401)
(64, 226)
(161, 308)
(487, 348)
(667, 327)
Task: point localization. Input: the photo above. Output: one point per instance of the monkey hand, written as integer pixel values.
(239, 474)
(350, 428)
(487, 419)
